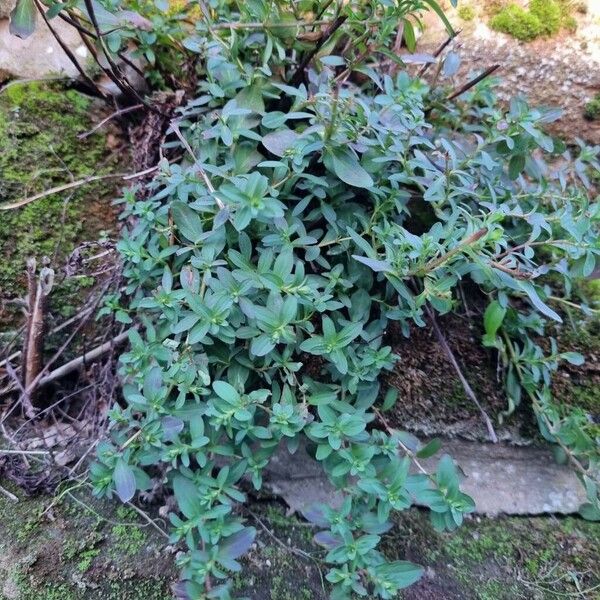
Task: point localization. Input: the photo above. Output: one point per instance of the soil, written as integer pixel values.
(431, 398)
(432, 401)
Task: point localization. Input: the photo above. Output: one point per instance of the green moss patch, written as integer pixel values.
(39, 149)
(542, 18)
(591, 110)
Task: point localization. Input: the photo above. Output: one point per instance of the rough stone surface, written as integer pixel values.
(515, 480)
(501, 479)
(6, 7)
(39, 56)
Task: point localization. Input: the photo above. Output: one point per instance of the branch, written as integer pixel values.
(78, 183)
(68, 52)
(78, 363)
(117, 113)
(473, 82)
(438, 51)
(299, 74)
(436, 262)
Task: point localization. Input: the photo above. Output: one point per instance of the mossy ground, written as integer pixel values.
(39, 149)
(92, 550)
(80, 549)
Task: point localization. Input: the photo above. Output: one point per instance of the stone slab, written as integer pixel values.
(40, 56)
(502, 479)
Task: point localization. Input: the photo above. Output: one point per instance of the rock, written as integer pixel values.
(6, 7)
(39, 56)
(502, 479)
(514, 480)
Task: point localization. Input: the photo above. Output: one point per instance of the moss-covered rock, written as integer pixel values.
(39, 149)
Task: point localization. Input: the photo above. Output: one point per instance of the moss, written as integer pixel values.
(128, 538)
(543, 18)
(548, 13)
(586, 397)
(74, 556)
(39, 149)
(466, 12)
(591, 110)
(518, 22)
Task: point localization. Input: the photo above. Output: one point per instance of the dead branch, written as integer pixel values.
(31, 293)
(79, 362)
(74, 184)
(88, 80)
(473, 82)
(81, 315)
(299, 73)
(8, 494)
(33, 347)
(117, 113)
(437, 52)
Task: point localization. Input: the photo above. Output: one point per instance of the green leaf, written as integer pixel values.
(23, 19)
(226, 391)
(279, 142)
(430, 449)
(516, 166)
(389, 399)
(187, 496)
(589, 512)
(188, 221)
(346, 166)
(409, 35)
(573, 358)
(402, 573)
(274, 120)
(237, 544)
(124, 480)
(379, 266)
(493, 317)
(531, 292)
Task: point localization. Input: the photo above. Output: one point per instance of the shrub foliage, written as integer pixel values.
(323, 193)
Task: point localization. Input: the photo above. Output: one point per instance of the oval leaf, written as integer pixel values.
(346, 166)
(23, 18)
(124, 480)
(188, 221)
(279, 142)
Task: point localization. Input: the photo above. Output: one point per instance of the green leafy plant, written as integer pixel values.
(265, 267)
